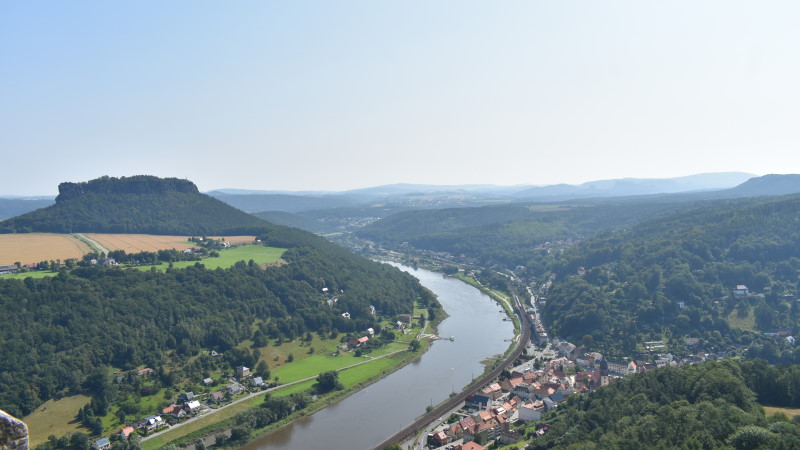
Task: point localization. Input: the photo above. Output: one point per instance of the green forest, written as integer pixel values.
(709, 405)
(674, 276)
(57, 330)
(508, 235)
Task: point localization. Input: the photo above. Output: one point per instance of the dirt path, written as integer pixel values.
(94, 245)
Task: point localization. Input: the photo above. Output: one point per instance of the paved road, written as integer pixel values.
(254, 394)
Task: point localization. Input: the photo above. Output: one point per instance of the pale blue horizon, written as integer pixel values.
(340, 95)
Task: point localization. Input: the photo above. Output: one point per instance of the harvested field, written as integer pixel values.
(135, 243)
(28, 248)
(31, 248)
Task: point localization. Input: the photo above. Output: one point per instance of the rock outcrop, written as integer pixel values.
(13, 433)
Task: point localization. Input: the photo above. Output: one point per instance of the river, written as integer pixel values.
(364, 419)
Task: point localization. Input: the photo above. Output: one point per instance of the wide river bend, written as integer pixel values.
(364, 419)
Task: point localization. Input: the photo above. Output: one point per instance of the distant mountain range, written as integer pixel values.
(381, 201)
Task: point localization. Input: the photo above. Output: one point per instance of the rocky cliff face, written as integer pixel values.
(139, 184)
(13, 433)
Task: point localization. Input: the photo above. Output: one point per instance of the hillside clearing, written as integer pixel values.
(227, 258)
(56, 417)
(772, 410)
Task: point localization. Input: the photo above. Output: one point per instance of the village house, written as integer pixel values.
(438, 439)
(257, 382)
(405, 318)
(493, 391)
(145, 371)
(8, 269)
(567, 349)
(242, 371)
(469, 446)
(125, 432)
(531, 412)
(478, 401)
(355, 343)
(509, 384)
(192, 407)
(235, 389)
(216, 397)
(619, 368)
(152, 423)
(174, 411)
(101, 444)
(741, 290)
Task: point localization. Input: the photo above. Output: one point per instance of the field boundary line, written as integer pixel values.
(94, 245)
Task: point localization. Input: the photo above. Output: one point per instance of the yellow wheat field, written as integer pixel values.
(135, 243)
(28, 248)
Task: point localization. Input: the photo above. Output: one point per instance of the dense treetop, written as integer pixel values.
(674, 276)
(709, 405)
(56, 330)
(507, 234)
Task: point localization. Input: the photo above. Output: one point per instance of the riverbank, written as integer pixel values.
(354, 378)
(367, 417)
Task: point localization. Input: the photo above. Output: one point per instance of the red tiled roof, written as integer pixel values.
(466, 422)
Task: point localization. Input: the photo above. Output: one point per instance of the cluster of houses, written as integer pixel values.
(527, 393)
(186, 406)
(523, 396)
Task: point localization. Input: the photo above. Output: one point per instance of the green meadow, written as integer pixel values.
(228, 257)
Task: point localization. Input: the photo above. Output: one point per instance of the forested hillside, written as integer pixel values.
(675, 276)
(709, 405)
(294, 220)
(55, 331)
(508, 234)
(138, 204)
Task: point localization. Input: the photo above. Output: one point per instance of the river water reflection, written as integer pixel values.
(369, 416)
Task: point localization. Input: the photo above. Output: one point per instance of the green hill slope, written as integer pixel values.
(57, 331)
(138, 204)
(675, 276)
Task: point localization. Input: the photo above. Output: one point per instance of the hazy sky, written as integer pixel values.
(343, 94)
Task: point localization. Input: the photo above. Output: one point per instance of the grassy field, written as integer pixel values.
(772, 410)
(29, 248)
(228, 257)
(349, 377)
(747, 323)
(56, 417)
(135, 243)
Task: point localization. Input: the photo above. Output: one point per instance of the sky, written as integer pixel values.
(335, 95)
